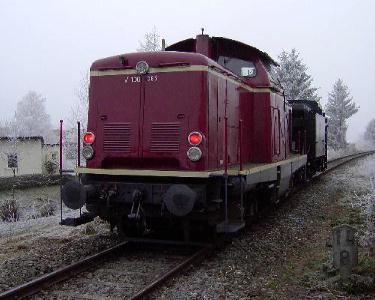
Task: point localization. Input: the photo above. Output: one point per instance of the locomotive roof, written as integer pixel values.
(153, 59)
(307, 105)
(188, 45)
(184, 51)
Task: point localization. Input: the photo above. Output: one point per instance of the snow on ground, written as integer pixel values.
(34, 246)
(352, 149)
(360, 146)
(364, 197)
(30, 201)
(33, 229)
(362, 194)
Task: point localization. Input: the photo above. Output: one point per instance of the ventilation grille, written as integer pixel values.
(165, 137)
(117, 137)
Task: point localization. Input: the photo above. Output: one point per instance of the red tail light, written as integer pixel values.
(195, 138)
(89, 138)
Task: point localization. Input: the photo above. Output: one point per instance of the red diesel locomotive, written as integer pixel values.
(191, 137)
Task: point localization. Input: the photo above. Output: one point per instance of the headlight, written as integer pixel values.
(142, 67)
(194, 153)
(87, 152)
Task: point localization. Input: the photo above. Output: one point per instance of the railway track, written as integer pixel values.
(131, 270)
(115, 273)
(334, 163)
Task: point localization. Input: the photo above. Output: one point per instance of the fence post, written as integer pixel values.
(345, 250)
(61, 167)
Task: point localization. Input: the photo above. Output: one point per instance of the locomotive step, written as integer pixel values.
(229, 227)
(83, 219)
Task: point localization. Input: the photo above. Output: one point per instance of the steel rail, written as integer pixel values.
(155, 241)
(36, 285)
(354, 155)
(344, 160)
(59, 275)
(196, 258)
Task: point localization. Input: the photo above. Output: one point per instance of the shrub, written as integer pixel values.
(9, 211)
(47, 208)
(50, 167)
(89, 229)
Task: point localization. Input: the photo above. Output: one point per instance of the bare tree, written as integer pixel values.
(10, 130)
(78, 112)
(5, 128)
(151, 42)
(80, 109)
(31, 117)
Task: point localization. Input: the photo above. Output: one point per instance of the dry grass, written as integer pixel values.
(47, 209)
(9, 210)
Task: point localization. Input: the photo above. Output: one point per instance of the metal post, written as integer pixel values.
(299, 142)
(61, 166)
(79, 152)
(225, 152)
(79, 144)
(305, 142)
(226, 167)
(226, 144)
(240, 143)
(241, 168)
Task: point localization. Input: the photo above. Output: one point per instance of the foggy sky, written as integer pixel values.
(48, 46)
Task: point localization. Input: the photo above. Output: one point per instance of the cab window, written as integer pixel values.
(238, 66)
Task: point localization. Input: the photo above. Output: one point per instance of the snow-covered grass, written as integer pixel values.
(357, 186)
(332, 154)
(367, 169)
(48, 225)
(364, 144)
(366, 199)
(351, 149)
(39, 210)
(9, 210)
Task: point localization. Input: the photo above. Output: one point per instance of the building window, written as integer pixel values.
(54, 155)
(12, 161)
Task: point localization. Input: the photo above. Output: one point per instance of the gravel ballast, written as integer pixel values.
(282, 256)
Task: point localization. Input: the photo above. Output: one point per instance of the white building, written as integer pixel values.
(28, 155)
(21, 156)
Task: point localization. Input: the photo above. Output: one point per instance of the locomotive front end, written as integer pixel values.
(148, 114)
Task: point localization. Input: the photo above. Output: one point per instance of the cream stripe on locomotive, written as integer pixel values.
(194, 68)
(296, 161)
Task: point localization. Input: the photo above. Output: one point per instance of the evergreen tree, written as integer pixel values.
(370, 132)
(293, 77)
(339, 108)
